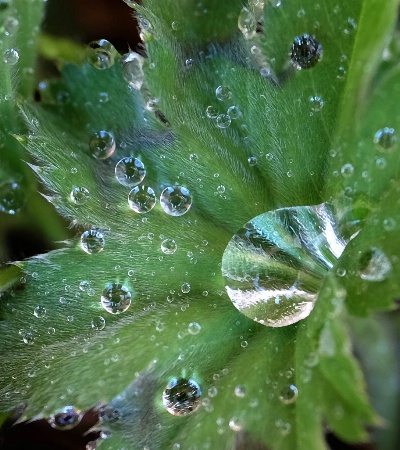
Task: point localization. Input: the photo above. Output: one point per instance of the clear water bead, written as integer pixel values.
(289, 394)
(223, 120)
(317, 103)
(130, 171)
(66, 419)
(185, 288)
(223, 93)
(211, 112)
(101, 54)
(234, 112)
(274, 266)
(92, 241)
(132, 69)
(79, 195)
(102, 144)
(181, 397)
(116, 298)
(98, 323)
(247, 23)
(194, 328)
(374, 265)
(385, 139)
(39, 312)
(169, 246)
(12, 197)
(142, 199)
(175, 200)
(11, 56)
(306, 51)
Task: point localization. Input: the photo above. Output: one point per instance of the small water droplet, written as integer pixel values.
(98, 323)
(92, 241)
(130, 171)
(101, 54)
(102, 144)
(306, 51)
(11, 25)
(247, 23)
(185, 288)
(385, 139)
(223, 93)
(28, 338)
(289, 394)
(234, 112)
(252, 160)
(194, 328)
(374, 265)
(347, 170)
(351, 25)
(240, 391)
(223, 121)
(84, 285)
(104, 97)
(389, 224)
(142, 199)
(116, 298)
(66, 419)
(12, 197)
(39, 311)
(181, 396)
(11, 56)
(236, 424)
(169, 246)
(175, 25)
(175, 200)
(341, 73)
(211, 112)
(79, 195)
(317, 103)
(132, 69)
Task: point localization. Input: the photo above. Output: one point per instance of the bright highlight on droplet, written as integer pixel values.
(181, 397)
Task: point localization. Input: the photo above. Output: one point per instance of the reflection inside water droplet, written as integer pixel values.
(181, 396)
(273, 267)
(101, 54)
(66, 419)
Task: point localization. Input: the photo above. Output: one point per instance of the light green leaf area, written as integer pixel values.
(59, 345)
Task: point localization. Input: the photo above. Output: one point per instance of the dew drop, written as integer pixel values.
(66, 419)
(274, 266)
(84, 285)
(169, 246)
(289, 394)
(116, 298)
(79, 195)
(347, 170)
(175, 200)
(11, 56)
(240, 391)
(132, 69)
(28, 338)
(130, 171)
(39, 311)
(317, 103)
(12, 197)
(236, 424)
(223, 93)
(374, 265)
(247, 23)
(306, 51)
(181, 396)
(98, 323)
(389, 224)
(385, 139)
(11, 25)
(211, 112)
(234, 112)
(252, 160)
(101, 54)
(194, 328)
(142, 199)
(92, 241)
(223, 121)
(185, 288)
(102, 144)
(175, 25)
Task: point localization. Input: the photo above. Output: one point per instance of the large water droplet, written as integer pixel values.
(175, 200)
(116, 298)
(247, 23)
(66, 419)
(289, 394)
(142, 199)
(92, 241)
(306, 51)
(79, 195)
(374, 265)
(132, 69)
(181, 396)
(274, 266)
(101, 54)
(12, 197)
(102, 144)
(11, 56)
(130, 171)
(385, 139)
(223, 93)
